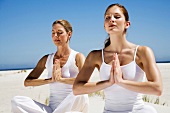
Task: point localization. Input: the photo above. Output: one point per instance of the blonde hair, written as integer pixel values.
(67, 26)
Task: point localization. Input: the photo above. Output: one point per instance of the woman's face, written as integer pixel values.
(115, 21)
(59, 35)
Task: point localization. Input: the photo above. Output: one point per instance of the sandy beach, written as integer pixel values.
(11, 84)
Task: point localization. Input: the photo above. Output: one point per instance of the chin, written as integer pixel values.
(58, 44)
(113, 31)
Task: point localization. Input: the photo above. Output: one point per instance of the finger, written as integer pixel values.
(54, 71)
(54, 68)
(116, 71)
(60, 72)
(117, 60)
(114, 61)
(112, 67)
(57, 62)
(114, 56)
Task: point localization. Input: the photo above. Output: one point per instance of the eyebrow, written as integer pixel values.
(57, 30)
(113, 13)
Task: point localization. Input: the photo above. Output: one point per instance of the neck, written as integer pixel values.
(63, 51)
(118, 43)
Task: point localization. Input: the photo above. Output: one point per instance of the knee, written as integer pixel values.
(14, 100)
(148, 109)
(151, 109)
(17, 100)
(14, 103)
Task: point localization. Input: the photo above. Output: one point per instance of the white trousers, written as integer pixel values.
(144, 109)
(22, 104)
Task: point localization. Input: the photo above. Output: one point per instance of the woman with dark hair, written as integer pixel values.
(123, 67)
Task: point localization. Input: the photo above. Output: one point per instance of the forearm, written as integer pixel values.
(89, 87)
(37, 82)
(148, 87)
(67, 80)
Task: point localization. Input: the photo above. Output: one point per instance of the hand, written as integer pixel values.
(111, 80)
(118, 76)
(56, 75)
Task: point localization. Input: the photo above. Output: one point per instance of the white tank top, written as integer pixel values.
(118, 98)
(59, 91)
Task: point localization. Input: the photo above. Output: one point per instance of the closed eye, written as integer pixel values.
(107, 17)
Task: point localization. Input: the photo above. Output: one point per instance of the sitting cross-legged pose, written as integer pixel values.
(63, 67)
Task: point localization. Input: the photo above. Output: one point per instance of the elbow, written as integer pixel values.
(26, 83)
(78, 88)
(75, 93)
(75, 90)
(158, 90)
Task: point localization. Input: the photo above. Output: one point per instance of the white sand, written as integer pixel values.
(11, 84)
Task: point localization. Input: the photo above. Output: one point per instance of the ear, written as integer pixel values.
(127, 24)
(69, 35)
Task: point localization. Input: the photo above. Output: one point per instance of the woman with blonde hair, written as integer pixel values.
(63, 67)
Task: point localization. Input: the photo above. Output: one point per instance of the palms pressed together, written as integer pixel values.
(115, 74)
(56, 71)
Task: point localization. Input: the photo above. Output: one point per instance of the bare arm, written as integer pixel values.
(81, 84)
(79, 63)
(153, 85)
(32, 78)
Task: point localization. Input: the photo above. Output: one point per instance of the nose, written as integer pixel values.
(56, 35)
(112, 19)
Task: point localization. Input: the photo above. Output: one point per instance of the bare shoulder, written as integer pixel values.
(144, 50)
(145, 53)
(36, 72)
(79, 60)
(79, 56)
(41, 63)
(94, 58)
(43, 60)
(95, 54)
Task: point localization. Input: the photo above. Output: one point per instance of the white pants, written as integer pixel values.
(22, 104)
(144, 109)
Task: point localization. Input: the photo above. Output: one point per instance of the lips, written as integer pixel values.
(56, 41)
(112, 25)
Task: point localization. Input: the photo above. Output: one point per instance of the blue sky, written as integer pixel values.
(25, 27)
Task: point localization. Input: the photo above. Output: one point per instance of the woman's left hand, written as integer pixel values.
(118, 75)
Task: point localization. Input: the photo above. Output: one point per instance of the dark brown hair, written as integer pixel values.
(125, 13)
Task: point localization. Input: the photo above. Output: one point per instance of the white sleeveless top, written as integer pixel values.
(117, 98)
(59, 91)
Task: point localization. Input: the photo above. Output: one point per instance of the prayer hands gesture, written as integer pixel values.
(115, 73)
(56, 75)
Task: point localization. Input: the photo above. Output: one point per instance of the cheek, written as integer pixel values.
(106, 26)
(53, 37)
(63, 37)
(120, 21)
